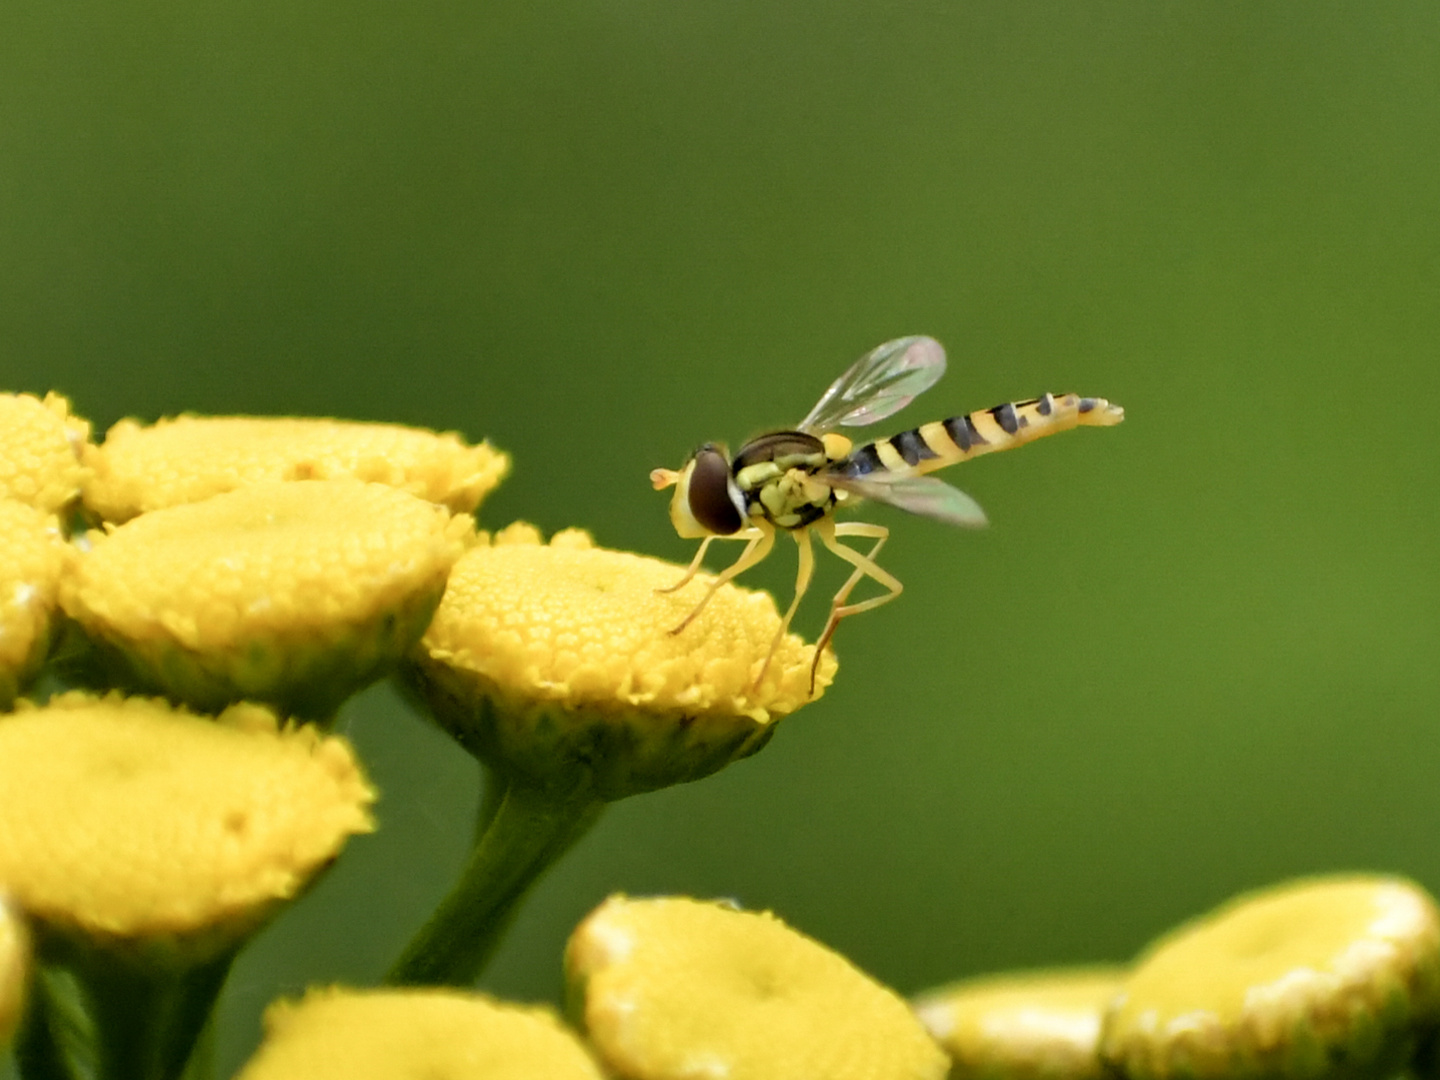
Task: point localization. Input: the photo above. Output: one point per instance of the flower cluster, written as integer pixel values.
(1332, 978)
(184, 608)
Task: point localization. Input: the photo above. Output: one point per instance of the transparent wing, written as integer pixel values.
(880, 383)
(923, 495)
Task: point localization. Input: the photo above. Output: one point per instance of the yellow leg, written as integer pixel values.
(691, 570)
(802, 582)
(694, 567)
(762, 538)
(864, 567)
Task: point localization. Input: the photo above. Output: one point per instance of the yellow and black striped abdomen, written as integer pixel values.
(945, 442)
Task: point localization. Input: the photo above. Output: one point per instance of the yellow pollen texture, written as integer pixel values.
(138, 468)
(127, 818)
(579, 625)
(33, 558)
(677, 989)
(422, 1034)
(268, 560)
(40, 450)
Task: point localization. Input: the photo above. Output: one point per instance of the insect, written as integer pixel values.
(795, 480)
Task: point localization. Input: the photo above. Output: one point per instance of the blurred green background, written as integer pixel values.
(1193, 654)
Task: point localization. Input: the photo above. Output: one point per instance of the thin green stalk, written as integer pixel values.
(147, 1022)
(526, 833)
(492, 791)
(54, 1035)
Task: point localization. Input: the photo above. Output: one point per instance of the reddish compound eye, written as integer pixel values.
(712, 502)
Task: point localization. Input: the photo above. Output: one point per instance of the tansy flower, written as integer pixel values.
(40, 449)
(1035, 1025)
(678, 989)
(145, 844)
(130, 820)
(33, 556)
(15, 963)
(555, 662)
(1325, 979)
(439, 1035)
(296, 594)
(189, 458)
(555, 666)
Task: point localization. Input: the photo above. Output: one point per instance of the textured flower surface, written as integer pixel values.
(543, 651)
(130, 819)
(1034, 1025)
(40, 449)
(431, 1034)
(291, 593)
(671, 988)
(1321, 978)
(142, 468)
(33, 557)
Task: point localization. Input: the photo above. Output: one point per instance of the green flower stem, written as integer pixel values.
(527, 831)
(492, 793)
(54, 1036)
(147, 1021)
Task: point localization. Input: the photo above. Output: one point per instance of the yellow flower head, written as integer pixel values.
(189, 458)
(292, 593)
(1036, 1025)
(1327, 979)
(673, 989)
(338, 1034)
(40, 450)
(131, 825)
(33, 557)
(15, 965)
(544, 658)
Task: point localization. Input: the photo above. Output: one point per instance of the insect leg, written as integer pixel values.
(692, 569)
(802, 582)
(865, 566)
(762, 538)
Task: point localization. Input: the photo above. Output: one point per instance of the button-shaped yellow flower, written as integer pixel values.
(294, 593)
(1326, 979)
(40, 449)
(129, 822)
(439, 1035)
(1034, 1025)
(33, 557)
(552, 660)
(142, 468)
(555, 665)
(677, 989)
(145, 844)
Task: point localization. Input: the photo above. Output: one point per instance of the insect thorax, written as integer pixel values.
(776, 474)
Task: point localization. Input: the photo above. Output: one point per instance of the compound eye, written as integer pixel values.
(711, 504)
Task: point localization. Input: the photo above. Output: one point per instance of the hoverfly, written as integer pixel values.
(796, 480)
